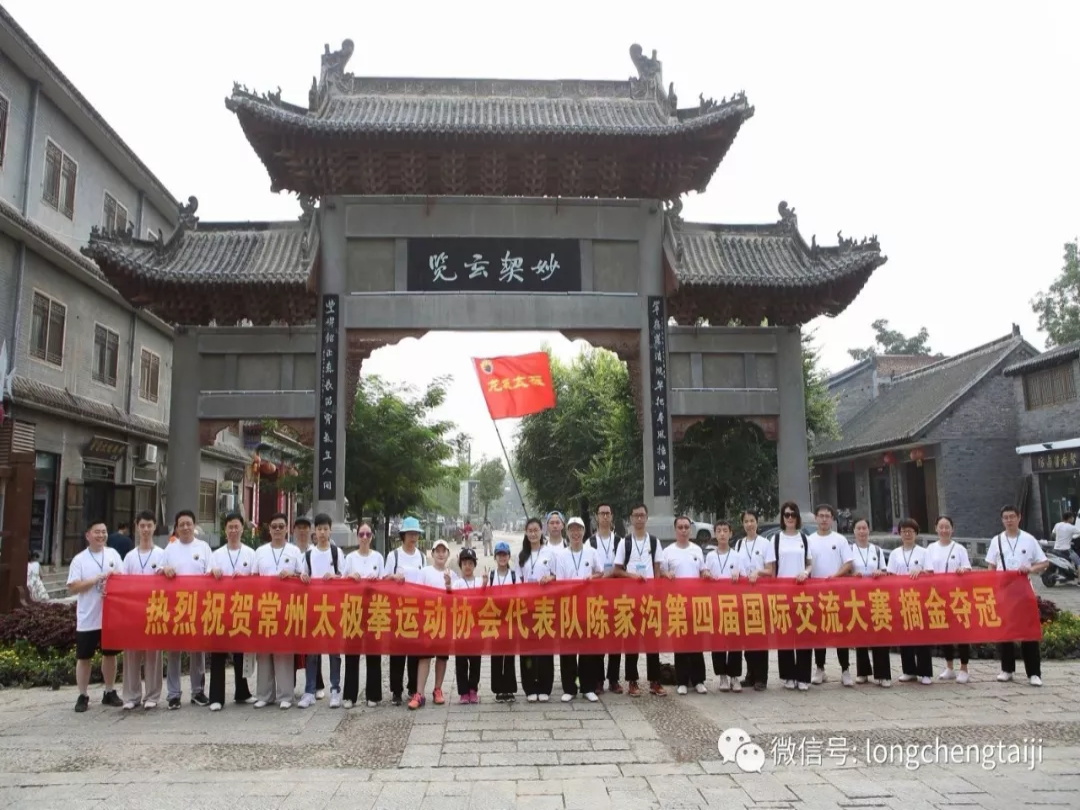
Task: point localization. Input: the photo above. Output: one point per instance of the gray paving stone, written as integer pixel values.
(579, 772)
(585, 794)
(459, 760)
(672, 791)
(426, 735)
(420, 756)
(401, 796)
(592, 757)
(520, 758)
(516, 735)
(633, 800)
(461, 736)
(492, 795)
(548, 802)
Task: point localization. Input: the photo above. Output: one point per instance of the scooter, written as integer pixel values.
(1063, 567)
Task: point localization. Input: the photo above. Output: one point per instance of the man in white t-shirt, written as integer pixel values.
(1016, 550)
(638, 557)
(832, 557)
(686, 560)
(605, 541)
(555, 525)
(301, 538)
(578, 561)
(1065, 533)
(402, 559)
(143, 665)
(234, 559)
(322, 562)
(88, 576)
(276, 675)
(187, 557)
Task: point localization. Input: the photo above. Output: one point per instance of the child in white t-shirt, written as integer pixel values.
(503, 676)
(324, 561)
(436, 575)
(467, 667)
(725, 564)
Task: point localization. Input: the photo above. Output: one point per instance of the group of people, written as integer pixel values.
(546, 555)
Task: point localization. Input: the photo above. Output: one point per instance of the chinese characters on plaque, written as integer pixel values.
(658, 396)
(494, 265)
(326, 458)
(1055, 460)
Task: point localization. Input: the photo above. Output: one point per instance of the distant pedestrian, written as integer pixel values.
(487, 535)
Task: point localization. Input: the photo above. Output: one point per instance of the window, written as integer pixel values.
(207, 501)
(106, 355)
(60, 175)
(114, 217)
(149, 370)
(3, 128)
(1051, 386)
(47, 330)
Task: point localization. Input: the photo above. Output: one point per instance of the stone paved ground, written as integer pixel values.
(621, 753)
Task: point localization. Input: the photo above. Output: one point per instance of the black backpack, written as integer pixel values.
(594, 541)
(396, 550)
(629, 539)
(513, 577)
(333, 559)
(805, 548)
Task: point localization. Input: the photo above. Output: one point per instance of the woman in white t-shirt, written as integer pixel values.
(793, 561)
(537, 562)
(909, 560)
(868, 560)
(360, 565)
(946, 556)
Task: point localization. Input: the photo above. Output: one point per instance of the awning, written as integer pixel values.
(105, 449)
(1064, 444)
(234, 474)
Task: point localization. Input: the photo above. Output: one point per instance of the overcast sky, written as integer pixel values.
(947, 129)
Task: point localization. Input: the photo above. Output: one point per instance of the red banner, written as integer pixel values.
(265, 614)
(516, 386)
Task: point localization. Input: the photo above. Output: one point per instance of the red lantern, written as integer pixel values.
(267, 468)
(889, 459)
(917, 455)
(255, 462)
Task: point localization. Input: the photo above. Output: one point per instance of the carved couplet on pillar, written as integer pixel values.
(328, 398)
(658, 383)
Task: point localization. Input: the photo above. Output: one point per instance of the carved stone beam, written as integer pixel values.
(210, 428)
(681, 424)
(362, 342)
(303, 428)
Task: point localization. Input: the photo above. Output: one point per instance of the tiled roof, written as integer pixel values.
(488, 107)
(9, 214)
(885, 365)
(32, 392)
(908, 406)
(214, 253)
(765, 256)
(1052, 357)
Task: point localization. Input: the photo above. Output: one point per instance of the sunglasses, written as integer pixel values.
(277, 525)
(363, 534)
(790, 514)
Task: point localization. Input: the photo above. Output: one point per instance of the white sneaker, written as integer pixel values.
(591, 697)
(681, 690)
(926, 680)
(532, 698)
(335, 699)
(804, 687)
(371, 704)
(789, 684)
(700, 689)
(249, 700)
(215, 707)
(962, 676)
(885, 683)
(150, 704)
(818, 676)
(845, 678)
(129, 705)
(566, 698)
(307, 701)
(347, 704)
(1035, 680)
(905, 678)
(285, 704)
(736, 686)
(543, 698)
(725, 684)
(260, 704)
(1004, 677)
(860, 679)
(319, 695)
(947, 674)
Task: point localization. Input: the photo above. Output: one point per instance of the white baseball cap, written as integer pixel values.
(440, 542)
(575, 521)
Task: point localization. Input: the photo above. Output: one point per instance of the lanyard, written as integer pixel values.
(501, 580)
(233, 562)
(865, 557)
(142, 562)
(907, 558)
(605, 546)
(534, 558)
(640, 548)
(277, 557)
(948, 556)
(577, 562)
(100, 565)
(723, 565)
(469, 582)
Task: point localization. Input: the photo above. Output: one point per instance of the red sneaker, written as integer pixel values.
(437, 697)
(656, 689)
(632, 689)
(417, 701)
(615, 688)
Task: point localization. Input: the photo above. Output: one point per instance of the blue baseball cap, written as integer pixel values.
(502, 547)
(410, 524)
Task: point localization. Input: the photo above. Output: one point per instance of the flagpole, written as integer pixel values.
(510, 467)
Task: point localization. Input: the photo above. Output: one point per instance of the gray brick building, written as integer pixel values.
(937, 438)
(93, 373)
(1048, 437)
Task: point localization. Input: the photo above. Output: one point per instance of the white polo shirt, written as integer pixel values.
(86, 565)
(641, 559)
(829, 552)
(865, 561)
(946, 559)
(1009, 553)
(239, 563)
(905, 561)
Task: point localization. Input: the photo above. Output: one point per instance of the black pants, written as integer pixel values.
(217, 677)
(794, 665)
(1029, 650)
(398, 668)
(873, 662)
(652, 667)
(319, 684)
(689, 669)
(537, 674)
(613, 668)
(949, 651)
(843, 655)
(467, 669)
(757, 666)
(585, 670)
(728, 663)
(917, 661)
(503, 676)
(373, 685)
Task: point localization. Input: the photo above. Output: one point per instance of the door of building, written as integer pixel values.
(915, 481)
(881, 502)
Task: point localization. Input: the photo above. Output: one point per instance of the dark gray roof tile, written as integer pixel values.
(1057, 356)
(34, 392)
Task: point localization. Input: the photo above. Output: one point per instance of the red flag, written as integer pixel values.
(516, 386)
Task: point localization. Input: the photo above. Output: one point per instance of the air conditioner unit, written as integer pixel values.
(226, 486)
(227, 502)
(149, 454)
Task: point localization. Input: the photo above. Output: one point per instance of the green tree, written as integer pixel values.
(892, 341)
(588, 447)
(490, 476)
(1059, 308)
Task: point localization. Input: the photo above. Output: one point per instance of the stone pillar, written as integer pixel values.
(651, 283)
(183, 465)
(332, 280)
(792, 458)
